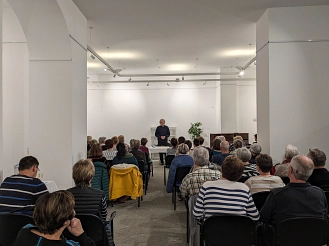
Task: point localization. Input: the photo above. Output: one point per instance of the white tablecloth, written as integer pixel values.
(51, 186)
(158, 149)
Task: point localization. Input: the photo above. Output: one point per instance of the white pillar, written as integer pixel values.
(292, 79)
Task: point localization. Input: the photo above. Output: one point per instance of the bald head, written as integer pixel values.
(302, 167)
(224, 147)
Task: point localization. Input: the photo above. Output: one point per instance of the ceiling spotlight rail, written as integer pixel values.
(115, 71)
(175, 74)
(170, 80)
(249, 63)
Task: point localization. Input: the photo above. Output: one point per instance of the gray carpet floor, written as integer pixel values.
(155, 222)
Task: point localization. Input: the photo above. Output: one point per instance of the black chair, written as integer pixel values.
(243, 179)
(150, 165)
(167, 164)
(301, 232)
(144, 173)
(285, 180)
(95, 228)
(260, 198)
(10, 224)
(181, 172)
(228, 230)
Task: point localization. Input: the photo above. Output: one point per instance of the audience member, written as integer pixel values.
(226, 196)
(181, 140)
(88, 200)
(101, 141)
(201, 140)
(173, 149)
(255, 138)
(139, 155)
(255, 150)
(216, 147)
(221, 138)
(224, 147)
(53, 213)
(123, 156)
(189, 144)
(121, 139)
(196, 143)
(201, 173)
(110, 152)
(249, 169)
(296, 199)
(143, 147)
(236, 136)
(96, 154)
(320, 175)
(281, 170)
(264, 181)
(93, 141)
(18, 193)
(182, 159)
(115, 141)
(237, 144)
(89, 138)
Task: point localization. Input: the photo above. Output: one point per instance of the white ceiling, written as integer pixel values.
(184, 35)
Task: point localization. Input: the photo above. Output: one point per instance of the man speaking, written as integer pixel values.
(162, 133)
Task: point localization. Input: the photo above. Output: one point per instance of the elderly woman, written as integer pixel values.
(216, 147)
(96, 153)
(237, 144)
(123, 156)
(226, 196)
(88, 200)
(143, 147)
(249, 169)
(173, 149)
(182, 159)
(281, 170)
(53, 213)
(255, 150)
(134, 149)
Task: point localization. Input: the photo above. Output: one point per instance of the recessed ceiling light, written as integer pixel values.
(236, 53)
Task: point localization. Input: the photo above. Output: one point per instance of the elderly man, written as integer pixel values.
(193, 182)
(255, 150)
(162, 133)
(298, 198)
(224, 147)
(18, 193)
(320, 175)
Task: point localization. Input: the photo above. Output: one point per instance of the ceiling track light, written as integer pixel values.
(148, 83)
(183, 78)
(241, 73)
(168, 84)
(114, 75)
(177, 80)
(129, 79)
(205, 83)
(92, 57)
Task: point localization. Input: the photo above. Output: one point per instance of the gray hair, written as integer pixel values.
(221, 138)
(302, 167)
(243, 154)
(290, 151)
(224, 145)
(182, 149)
(201, 156)
(101, 140)
(255, 148)
(134, 143)
(318, 157)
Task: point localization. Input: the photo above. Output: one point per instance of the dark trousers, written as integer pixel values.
(161, 157)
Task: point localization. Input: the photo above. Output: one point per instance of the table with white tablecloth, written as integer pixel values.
(157, 150)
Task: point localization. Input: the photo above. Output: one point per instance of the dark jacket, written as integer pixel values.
(101, 178)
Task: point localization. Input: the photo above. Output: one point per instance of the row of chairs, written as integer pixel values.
(10, 224)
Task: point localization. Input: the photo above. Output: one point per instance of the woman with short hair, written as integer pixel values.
(173, 149)
(123, 156)
(249, 169)
(53, 213)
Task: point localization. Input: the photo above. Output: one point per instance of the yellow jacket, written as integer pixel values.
(125, 180)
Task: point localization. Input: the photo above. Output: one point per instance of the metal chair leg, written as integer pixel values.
(139, 201)
(164, 174)
(175, 198)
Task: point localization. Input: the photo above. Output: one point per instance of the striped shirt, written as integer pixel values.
(250, 170)
(225, 197)
(193, 182)
(19, 193)
(263, 183)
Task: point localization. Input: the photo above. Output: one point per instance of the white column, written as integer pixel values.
(292, 79)
(1, 98)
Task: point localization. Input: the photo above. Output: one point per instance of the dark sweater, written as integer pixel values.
(162, 131)
(128, 159)
(320, 178)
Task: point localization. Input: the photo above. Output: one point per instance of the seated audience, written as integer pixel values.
(221, 138)
(298, 198)
(53, 213)
(264, 181)
(139, 155)
(226, 196)
(255, 138)
(216, 147)
(121, 139)
(201, 140)
(255, 150)
(236, 136)
(101, 141)
(182, 159)
(201, 173)
(237, 144)
(249, 169)
(196, 143)
(281, 170)
(18, 193)
(143, 147)
(115, 141)
(123, 156)
(224, 147)
(173, 149)
(96, 154)
(320, 175)
(189, 144)
(110, 152)
(181, 140)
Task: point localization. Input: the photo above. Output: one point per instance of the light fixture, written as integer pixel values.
(105, 69)
(205, 83)
(114, 75)
(98, 85)
(183, 78)
(148, 83)
(241, 72)
(92, 57)
(177, 80)
(129, 79)
(168, 84)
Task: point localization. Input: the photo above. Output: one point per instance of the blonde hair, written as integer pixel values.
(182, 149)
(83, 172)
(115, 140)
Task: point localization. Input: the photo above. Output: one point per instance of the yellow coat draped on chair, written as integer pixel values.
(125, 180)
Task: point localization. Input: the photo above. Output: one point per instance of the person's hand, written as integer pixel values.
(163, 137)
(75, 227)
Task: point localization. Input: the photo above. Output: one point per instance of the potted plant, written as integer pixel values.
(195, 130)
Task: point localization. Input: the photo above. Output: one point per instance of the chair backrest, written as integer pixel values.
(141, 166)
(260, 198)
(10, 224)
(169, 159)
(301, 231)
(181, 172)
(228, 230)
